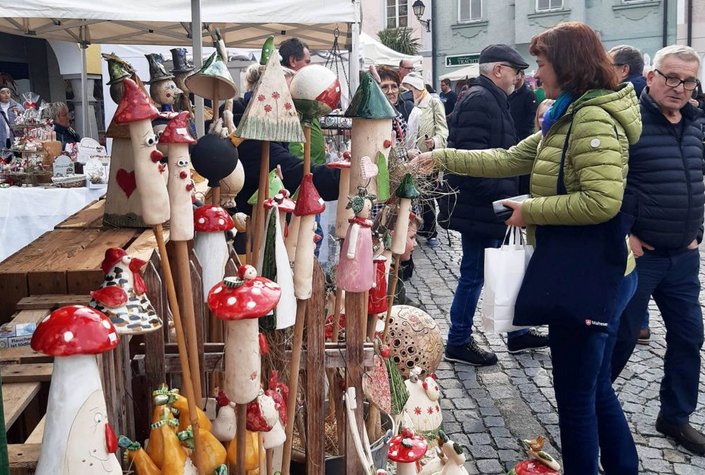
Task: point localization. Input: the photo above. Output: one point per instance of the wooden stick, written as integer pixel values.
(180, 341)
(270, 461)
(262, 194)
(294, 367)
(241, 438)
(214, 105)
(355, 309)
(248, 241)
(336, 314)
(307, 148)
(183, 270)
(397, 261)
(215, 196)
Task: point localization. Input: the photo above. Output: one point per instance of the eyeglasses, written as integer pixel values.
(674, 82)
(410, 68)
(515, 69)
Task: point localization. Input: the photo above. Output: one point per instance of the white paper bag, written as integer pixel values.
(504, 273)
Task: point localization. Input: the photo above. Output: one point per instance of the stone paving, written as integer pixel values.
(488, 409)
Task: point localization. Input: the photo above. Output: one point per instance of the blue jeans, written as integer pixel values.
(589, 414)
(472, 277)
(675, 286)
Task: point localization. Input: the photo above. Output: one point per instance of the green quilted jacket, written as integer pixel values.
(604, 123)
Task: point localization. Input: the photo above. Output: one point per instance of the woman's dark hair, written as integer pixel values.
(578, 57)
(385, 72)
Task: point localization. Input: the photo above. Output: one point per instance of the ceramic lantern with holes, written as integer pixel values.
(423, 407)
(415, 340)
(210, 245)
(77, 436)
(241, 301)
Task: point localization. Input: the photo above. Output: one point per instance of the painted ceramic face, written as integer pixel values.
(164, 92)
(86, 450)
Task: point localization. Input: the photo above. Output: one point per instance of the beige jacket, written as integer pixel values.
(427, 118)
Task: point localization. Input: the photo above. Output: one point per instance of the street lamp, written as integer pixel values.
(419, 8)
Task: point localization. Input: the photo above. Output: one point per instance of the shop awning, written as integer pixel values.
(471, 71)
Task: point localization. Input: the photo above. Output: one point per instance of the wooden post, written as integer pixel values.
(393, 290)
(315, 376)
(294, 367)
(183, 270)
(241, 438)
(355, 309)
(260, 213)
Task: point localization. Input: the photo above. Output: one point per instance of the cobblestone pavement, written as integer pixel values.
(487, 409)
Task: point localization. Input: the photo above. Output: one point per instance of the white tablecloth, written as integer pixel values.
(27, 213)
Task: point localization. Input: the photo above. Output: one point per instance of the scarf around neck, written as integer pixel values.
(556, 111)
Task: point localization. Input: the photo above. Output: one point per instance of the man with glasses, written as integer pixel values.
(665, 198)
(405, 67)
(628, 62)
(481, 120)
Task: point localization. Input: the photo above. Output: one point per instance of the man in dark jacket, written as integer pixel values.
(482, 120)
(629, 64)
(522, 105)
(665, 197)
(448, 96)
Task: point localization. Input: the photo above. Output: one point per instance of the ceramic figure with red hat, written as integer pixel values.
(136, 110)
(211, 222)
(77, 436)
(122, 295)
(308, 204)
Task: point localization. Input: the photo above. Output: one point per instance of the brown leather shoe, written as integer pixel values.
(685, 435)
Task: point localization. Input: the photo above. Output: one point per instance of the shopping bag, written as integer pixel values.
(504, 272)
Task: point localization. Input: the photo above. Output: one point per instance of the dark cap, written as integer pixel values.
(502, 53)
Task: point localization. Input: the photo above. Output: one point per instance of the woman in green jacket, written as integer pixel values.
(596, 120)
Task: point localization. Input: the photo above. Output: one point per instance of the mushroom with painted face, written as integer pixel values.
(77, 436)
(308, 205)
(211, 222)
(406, 449)
(241, 301)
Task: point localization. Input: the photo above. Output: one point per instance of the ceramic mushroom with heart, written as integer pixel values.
(241, 301)
(123, 295)
(77, 436)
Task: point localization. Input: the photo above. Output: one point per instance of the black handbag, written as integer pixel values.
(574, 275)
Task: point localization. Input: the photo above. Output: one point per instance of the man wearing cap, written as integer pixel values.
(9, 109)
(481, 121)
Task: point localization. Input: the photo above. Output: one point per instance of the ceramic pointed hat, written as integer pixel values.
(180, 62)
(135, 104)
(308, 201)
(157, 71)
(213, 74)
(118, 68)
(267, 50)
(407, 188)
(275, 186)
(369, 102)
(177, 130)
(270, 114)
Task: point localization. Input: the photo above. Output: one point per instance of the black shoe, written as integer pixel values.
(470, 354)
(533, 340)
(644, 336)
(685, 435)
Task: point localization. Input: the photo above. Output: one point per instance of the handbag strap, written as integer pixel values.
(560, 184)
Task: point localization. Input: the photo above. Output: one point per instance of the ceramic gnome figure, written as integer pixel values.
(423, 406)
(136, 110)
(182, 68)
(241, 301)
(123, 295)
(355, 268)
(122, 202)
(77, 436)
(162, 87)
(372, 116)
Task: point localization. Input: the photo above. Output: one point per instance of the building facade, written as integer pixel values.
(465, 27)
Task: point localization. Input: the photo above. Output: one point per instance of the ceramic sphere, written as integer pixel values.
(415, 340)
(315, 90)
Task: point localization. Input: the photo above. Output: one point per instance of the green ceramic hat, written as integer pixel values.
(275, 186)
(118, 68)
(267, 50)
(407, 188)
(369, 102)
(271, 114)
(213, 73)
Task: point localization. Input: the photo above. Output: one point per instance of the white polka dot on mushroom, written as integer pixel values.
(217, 290)
(231, 301)
(256, 291)
(106, 324)
(68, 336)
(251, 304)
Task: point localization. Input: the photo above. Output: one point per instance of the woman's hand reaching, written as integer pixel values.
(423, 163)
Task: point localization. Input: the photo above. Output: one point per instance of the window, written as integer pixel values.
(397, 13)
(469, 10)
(548, 5)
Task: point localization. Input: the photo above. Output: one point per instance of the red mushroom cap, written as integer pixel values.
(407, 447)
(212, 218)
(75, 330)
(135, 104)
(309, 201)
(245, 296)
(533, 467)
(177, 130)
(283, 202)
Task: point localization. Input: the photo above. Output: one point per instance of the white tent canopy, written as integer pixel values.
(471, 71)
(243, 23)
(374, 52)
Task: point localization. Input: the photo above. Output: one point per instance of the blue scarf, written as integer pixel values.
(556, 111)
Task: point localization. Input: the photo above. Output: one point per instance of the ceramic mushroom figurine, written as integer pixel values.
(210, 245)
(406, 449)
(77, 436)
(355, 272)
(405, 192)
(122, 296)
(308, 205)
(423, 406)
(180, 185)
(241, 301)
(342, 212)
(136, 110)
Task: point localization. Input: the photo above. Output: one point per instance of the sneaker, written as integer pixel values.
(433, 242)
(470, 354)
(532, 340)
(644, 336)
(685, 435)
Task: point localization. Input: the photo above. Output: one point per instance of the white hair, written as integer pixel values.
(486, 68)
(684, 53)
